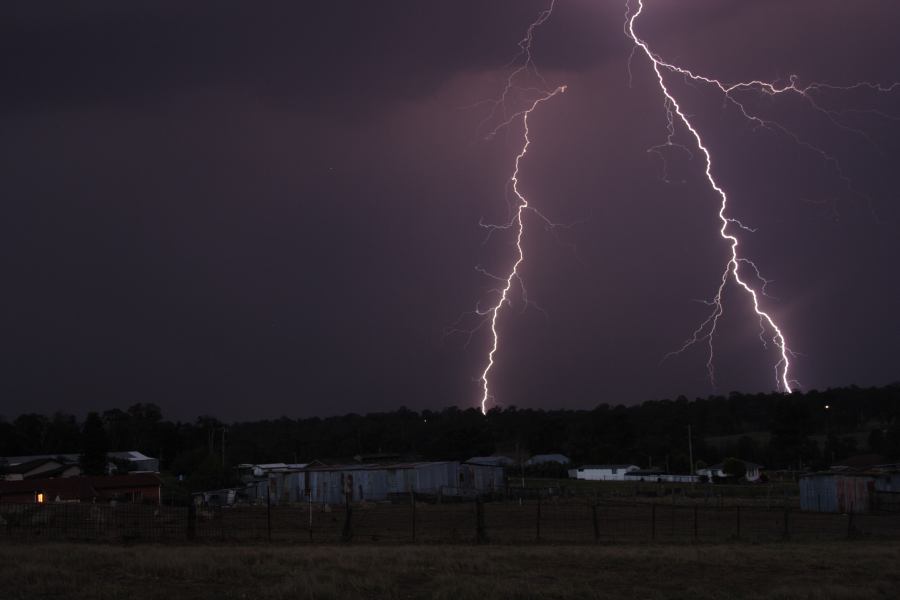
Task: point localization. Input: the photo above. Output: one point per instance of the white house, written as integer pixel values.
(717, 470)
(603, 472)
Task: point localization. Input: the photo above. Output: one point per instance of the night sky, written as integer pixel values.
(259, 209)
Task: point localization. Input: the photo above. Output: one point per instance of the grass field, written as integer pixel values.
(839, 570)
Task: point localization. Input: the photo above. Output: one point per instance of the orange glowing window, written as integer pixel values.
(40, 497)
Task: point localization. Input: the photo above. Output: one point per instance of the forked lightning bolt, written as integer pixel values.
(732, 271)
(733, 268)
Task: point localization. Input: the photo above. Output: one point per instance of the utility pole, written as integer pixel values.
(690, 450)
(223, 446)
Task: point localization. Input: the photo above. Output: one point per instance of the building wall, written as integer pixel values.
(836, 493)
(480, 478)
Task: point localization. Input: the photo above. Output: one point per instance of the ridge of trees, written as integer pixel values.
(774, 429)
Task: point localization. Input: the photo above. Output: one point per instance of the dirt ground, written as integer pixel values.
(834, 570)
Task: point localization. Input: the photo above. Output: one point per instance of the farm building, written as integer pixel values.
(328, 484)
(602, 472)
(837, 492)
(479, 478)
(135, 487)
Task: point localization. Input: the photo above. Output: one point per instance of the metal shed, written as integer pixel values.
(480, 478)
(374, 482)
(837, 492)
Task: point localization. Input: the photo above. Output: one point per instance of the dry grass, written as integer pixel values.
(774, 571)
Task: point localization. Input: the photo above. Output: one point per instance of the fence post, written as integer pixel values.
(192, 521)
(269, 512)
(538, 521)
(850, 526)
(653, 521)
(738, 517)
(696, 537)
(412, 498)
(596, 524)
(787, 529)
(480, 533)
(309, 496)
(347, 534)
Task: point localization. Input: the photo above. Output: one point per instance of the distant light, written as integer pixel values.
(827, 406)
(40, 497)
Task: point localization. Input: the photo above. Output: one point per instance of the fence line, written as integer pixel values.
(569, 521)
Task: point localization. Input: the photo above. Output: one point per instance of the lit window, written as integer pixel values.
(40, 497)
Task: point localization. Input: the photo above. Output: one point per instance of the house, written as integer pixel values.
(603, 472)
(132, 488)
(837, 492)
(753, 471)
(543, 459)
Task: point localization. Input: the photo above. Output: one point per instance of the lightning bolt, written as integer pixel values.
(518, 224)
(810, 94)
(707, 329)
(534, 96)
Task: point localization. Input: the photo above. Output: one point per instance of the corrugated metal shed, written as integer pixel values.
(377, 482)
(888, 482)
(374, 482)
(480, 478)
(837, 492)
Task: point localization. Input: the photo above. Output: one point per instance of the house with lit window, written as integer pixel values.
(137, 488)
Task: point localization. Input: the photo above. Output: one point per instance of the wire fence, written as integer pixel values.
(553, 521)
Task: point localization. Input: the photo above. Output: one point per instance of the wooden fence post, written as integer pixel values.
(347, 533)
(738, 518)
(192, 521)
(538, 520)
(596, 523)
(309, 501)
(480, 533)
(787, 529)
(269, 512)
(653, 521)
(696, 515)
(412, 499)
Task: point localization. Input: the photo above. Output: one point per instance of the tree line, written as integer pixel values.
(801, 430)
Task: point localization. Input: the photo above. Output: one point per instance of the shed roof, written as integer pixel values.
(23, 467)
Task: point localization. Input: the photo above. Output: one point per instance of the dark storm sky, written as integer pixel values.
(254, 209)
